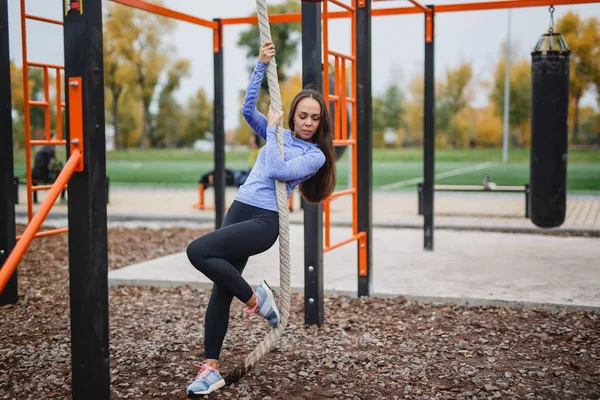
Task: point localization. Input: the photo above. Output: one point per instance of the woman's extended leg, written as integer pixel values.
(222, 255)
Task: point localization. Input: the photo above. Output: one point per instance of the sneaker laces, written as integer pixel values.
(204, 371)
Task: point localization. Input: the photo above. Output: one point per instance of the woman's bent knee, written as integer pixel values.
(196, 254)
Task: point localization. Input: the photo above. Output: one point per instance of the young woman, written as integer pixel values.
(251, 225)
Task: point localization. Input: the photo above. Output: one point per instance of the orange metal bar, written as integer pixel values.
(59, 103)
(343, 108)
(297, 17)
(349, 142)
(47, 233)
(325, 33)
(480, 6)
(200, 203)
(51, 21)
(343, 242)
(342, 193)
(47, 101)
(341, 55)
(502, 4)
(41, 188)
(343, 5)
(327, 221)
(381, 12)
(429, 28)
(354, 123)
(166, 12)
(421, 6)
(44, 65)
(76, 119)
(26, 111)
(34, 225)
(216, 41)
(38, 103)
(281, 18)
(337, 104)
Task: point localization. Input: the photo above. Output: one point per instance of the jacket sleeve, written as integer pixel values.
(255, 119)
(303, 166)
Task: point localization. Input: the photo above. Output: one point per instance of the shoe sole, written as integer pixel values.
(272, 298)
(215, 386)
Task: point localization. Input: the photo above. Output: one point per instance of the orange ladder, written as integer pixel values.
(341, 98)
(27, 103)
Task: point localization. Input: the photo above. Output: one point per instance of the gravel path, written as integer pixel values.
(367, 349)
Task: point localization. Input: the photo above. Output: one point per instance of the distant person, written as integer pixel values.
(46, 167)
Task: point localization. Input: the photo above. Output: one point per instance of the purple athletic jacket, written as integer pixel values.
(302, 159)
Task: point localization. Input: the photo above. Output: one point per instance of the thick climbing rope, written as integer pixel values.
(284, 226)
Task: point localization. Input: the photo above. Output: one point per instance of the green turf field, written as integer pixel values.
(393, 169)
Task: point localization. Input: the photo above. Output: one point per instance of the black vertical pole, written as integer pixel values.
(7, 186)
(313, 213)
(429, 132)
(88, 258)
(219, 127)
(364, 140)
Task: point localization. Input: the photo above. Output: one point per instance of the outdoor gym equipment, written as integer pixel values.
(549, 114)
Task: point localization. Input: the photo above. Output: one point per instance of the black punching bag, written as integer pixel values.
(549, 114)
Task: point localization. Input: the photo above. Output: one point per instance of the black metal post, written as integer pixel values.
(429, 132)
(313, 213)
(364, 140)
(219, 128)
(88, 257)
(527, 200)
(7, 185)
(420, 197)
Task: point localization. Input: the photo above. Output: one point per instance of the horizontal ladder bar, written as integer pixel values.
(47, 233)
(343, 242)
(43, 19)
(44, 65)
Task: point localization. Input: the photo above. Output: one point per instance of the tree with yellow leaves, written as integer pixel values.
(583, 38)
(142, 47)
(119, 76)
(519, 110)
(453, 95)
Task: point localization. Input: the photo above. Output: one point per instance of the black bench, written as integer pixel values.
(486, 187)
(17, 181)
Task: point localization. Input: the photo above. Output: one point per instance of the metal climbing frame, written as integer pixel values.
(58, 71)
(344, 93)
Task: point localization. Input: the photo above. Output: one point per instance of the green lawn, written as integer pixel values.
(390, 166)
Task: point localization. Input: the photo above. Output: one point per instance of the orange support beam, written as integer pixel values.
(21, 247)
(166, 12)
(421, 6)
(503, 4)
(76, 119)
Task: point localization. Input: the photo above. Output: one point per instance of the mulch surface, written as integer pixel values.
(368, 348)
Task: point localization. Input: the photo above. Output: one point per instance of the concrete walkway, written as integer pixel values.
(467, 266)
(500, 212)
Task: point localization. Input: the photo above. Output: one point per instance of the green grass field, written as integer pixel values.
(390, 166)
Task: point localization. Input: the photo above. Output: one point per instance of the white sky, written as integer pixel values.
(398, 49)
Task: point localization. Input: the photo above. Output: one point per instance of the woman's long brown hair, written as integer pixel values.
(320, 186)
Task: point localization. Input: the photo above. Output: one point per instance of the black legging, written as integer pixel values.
(221, 255)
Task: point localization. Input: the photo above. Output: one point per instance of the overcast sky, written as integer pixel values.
(398, 49)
